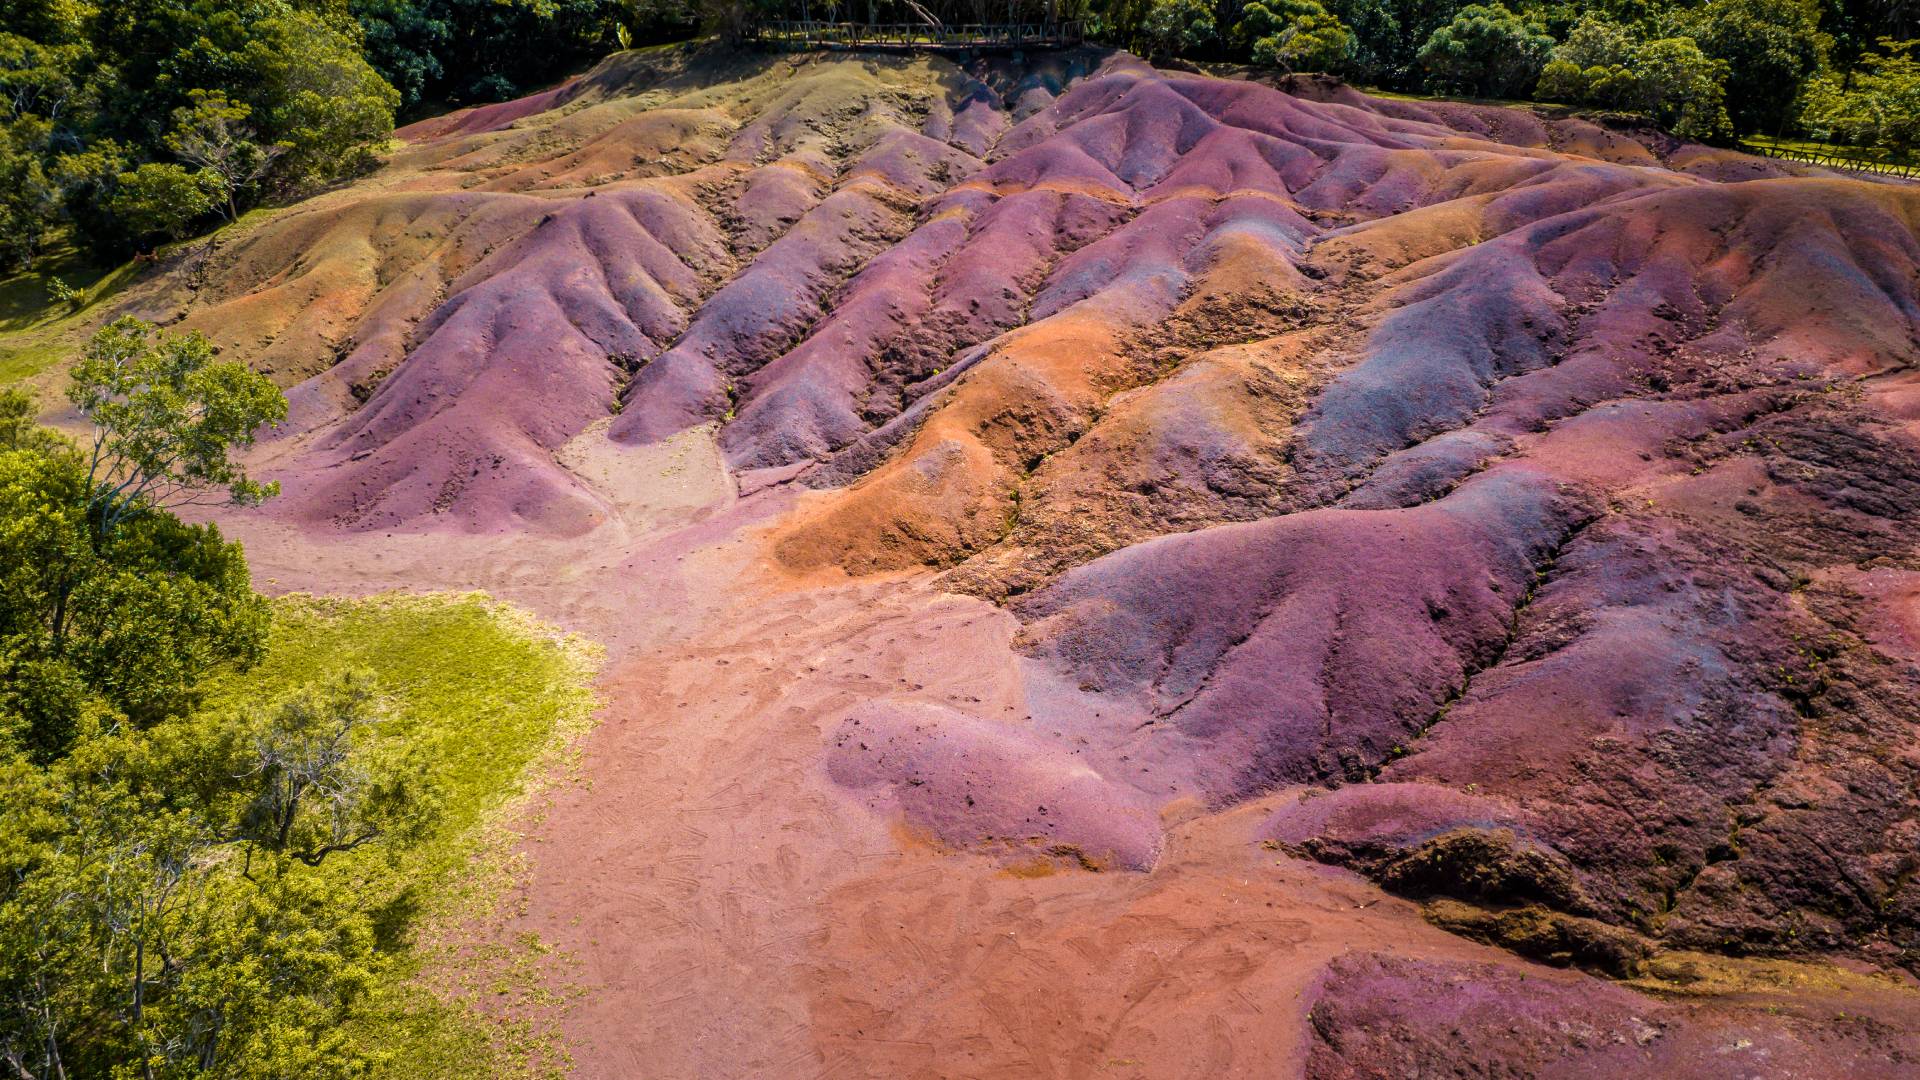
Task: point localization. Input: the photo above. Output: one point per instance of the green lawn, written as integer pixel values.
(493, 700)
(1505, 103)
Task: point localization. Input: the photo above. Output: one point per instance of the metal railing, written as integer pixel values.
(1834, 161)
(815, 34)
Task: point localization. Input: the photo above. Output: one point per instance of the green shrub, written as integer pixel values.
(165, 200)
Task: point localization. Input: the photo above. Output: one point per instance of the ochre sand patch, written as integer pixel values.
(1247, 496)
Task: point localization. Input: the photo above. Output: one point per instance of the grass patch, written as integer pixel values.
(494, 701)
(1398, 95)
(19, 362)
(37, 330)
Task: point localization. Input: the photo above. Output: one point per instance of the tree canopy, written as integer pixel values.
(1487, 50)
(137, 122)
(1876, 105)
(1704, 69)
(142, 118)
(1295, 35)
(1602, 63)
(1771, 48)
(112, 609)
(167, 418)
(154, 917)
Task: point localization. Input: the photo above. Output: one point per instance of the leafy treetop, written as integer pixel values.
(167, 419)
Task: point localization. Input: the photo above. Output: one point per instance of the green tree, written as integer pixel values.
(1771, 48)
(1388, 35)
(94, 628)
(1487, 50)
(28, 198)
(1595, 65)
(465, 51)
(111, 607)
(167, 419)
(310, 789)
(1669, 80)
(1683, 89)
(92, 95)
(1295, 35)
(317, 97)
(409, 42)
(212, 134)
(1597, 42)
(164, 200)
(1180, 27)
(87, 181)
(168, 906)
(19, 430)
(36, 79)
(36, 88)
(1879, 105)
(144, 929)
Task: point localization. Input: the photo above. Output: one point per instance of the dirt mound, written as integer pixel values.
(1382, 1016)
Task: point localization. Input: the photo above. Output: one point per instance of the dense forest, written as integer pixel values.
(139, 122)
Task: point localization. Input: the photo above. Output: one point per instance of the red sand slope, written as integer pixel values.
(1073, 534)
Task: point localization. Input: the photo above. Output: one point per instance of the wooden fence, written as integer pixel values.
(814, 34)
(1834, 161)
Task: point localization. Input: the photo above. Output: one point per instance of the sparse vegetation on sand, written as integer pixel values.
(230, 830)
(296, 960)
(488, 702)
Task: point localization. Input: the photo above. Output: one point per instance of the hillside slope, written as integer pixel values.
(1082, 503)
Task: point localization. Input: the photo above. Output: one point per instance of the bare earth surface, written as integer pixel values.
(1118, 573)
